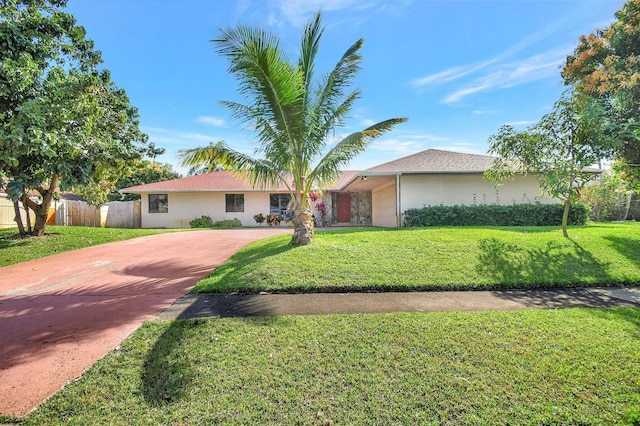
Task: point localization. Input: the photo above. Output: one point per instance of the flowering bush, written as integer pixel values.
(322, 212)
(273, 219)
(313, 196)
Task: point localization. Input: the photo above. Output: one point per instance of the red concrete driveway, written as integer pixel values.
(60, 314)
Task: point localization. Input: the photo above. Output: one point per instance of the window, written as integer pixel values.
(158, 203)
(234, 202)
(279, 203)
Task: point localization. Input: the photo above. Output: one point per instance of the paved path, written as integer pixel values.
(232, 305)
(60, 314)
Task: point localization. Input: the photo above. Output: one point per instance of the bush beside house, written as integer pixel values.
(495, 215)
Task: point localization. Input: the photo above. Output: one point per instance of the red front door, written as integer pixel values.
(344, 208)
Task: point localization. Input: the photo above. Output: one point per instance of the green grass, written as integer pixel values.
(576, 366)
(61, 239)
(435, 259)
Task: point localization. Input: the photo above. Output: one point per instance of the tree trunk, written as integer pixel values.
(18, 218)
(26, 209)
(42, 209)
(302, 227)
(565, 217)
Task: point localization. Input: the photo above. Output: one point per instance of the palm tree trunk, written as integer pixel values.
(302, 226)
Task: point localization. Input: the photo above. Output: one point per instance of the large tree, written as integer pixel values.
(146, 172)
(63, 122)
(606, 65)
(294, 114)
(558, 149)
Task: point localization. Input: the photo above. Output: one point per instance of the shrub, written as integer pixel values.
(259, 218)
(201, 222)
(495, 215)
(227, 223)
(273, 219)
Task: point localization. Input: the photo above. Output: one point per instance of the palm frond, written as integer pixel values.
(266, 77)
(308, 51)
(329, 168)
(258, 173)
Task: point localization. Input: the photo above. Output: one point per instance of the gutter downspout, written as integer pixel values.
(398, 200)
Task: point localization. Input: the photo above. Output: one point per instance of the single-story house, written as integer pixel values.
(377, 196)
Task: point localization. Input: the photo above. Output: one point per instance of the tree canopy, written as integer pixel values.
(63, 122)
(559, 149)
(293, 113)
(146, 172)
(606, 66)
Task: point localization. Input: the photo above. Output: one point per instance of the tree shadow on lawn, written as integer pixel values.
(628, 247)
(247, 256)
(556, 264)
(172, 366)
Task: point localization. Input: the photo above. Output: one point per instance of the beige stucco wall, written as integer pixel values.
(383, 203)
(186, 206)
(448, 189)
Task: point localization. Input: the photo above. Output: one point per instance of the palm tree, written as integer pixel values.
(293, 116)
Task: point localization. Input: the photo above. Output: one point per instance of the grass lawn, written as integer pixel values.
(576, 366)
(61, 239)
(435, 259)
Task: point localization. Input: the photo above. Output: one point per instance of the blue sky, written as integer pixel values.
(457, 69)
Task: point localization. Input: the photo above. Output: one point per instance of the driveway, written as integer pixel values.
(60, 314)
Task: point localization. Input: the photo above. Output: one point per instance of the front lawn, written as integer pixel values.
(435, 259)
(60, 239)
(576, 366)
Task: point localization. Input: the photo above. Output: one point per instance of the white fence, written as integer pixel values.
(8, 213)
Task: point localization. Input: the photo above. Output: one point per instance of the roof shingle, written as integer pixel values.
(437, 161)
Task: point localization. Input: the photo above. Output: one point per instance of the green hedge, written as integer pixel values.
(495, 215)
(207, 222)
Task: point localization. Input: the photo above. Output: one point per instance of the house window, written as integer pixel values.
(234, 202)
(279, 203)
(158, 203)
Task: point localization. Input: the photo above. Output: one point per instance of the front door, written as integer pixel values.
(344, 208)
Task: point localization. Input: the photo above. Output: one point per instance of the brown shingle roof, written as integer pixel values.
(216, 181)
(437, 161)
(208, 182)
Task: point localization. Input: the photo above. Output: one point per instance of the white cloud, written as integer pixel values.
(397, 146)
(484, 111)
(217, 122)
(441, 77)
(298, 12)
(537, 67)
(173, 137)
(520, 123)
(500, 74)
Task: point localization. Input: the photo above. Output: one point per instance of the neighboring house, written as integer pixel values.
(377, 196)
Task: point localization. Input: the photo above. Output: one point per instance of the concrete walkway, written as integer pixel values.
(230, 305)
(61, 313)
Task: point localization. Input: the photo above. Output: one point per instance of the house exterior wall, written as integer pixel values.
(183, 207)
(466, 189)
(383, 202)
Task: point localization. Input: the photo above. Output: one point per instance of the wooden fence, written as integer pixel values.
(115, 214)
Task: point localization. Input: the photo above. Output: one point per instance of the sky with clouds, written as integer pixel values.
(457, 69)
